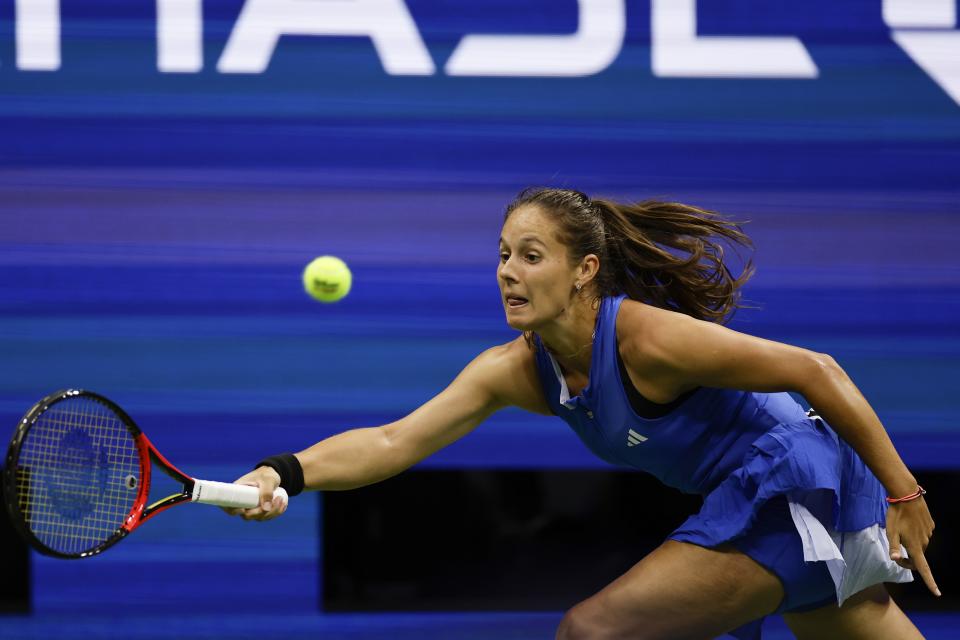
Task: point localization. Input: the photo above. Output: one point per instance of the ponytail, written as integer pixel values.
(666, 254)
(671, 255)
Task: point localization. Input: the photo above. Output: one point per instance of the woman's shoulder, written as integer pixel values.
(648, 336)
(638, 324)
(511, 369)
(510, 354)
(643, 333)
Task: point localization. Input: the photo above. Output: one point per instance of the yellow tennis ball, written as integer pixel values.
(327, 279)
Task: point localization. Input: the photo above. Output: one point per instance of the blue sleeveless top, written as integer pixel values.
(736, 448)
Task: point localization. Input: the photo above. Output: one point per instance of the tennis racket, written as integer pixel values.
(77, 477)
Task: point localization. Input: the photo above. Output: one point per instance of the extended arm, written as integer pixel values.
(364, 456)
(498, 377)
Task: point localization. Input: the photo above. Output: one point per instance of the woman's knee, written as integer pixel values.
(585, 621)
(578, 624)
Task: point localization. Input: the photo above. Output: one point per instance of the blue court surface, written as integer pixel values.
(463, 626)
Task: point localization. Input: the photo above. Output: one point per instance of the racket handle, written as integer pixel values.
(227, 494)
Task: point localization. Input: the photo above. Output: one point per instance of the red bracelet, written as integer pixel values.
(913, 496)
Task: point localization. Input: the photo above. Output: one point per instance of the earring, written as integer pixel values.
(578, 287)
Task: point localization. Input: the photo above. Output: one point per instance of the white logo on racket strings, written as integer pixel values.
(634, 438)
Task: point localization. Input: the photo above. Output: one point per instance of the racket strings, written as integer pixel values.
(77, 475)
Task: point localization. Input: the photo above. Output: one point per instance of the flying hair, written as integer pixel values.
(666, 254)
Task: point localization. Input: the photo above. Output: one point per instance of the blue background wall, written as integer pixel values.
(153, 227)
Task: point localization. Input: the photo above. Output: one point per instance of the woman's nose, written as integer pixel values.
(506, 270)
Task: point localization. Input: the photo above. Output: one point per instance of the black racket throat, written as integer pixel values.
(183, 495)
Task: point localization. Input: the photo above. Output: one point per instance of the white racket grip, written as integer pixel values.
(227, 494)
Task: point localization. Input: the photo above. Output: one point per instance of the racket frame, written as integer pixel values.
(148, 456)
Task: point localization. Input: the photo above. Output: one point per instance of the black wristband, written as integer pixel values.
(291, 473)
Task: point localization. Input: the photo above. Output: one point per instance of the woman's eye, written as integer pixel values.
(504, 257)
(532, 257)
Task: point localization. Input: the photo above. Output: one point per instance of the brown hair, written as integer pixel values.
(666, 254)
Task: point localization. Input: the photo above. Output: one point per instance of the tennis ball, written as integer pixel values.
(327, 279)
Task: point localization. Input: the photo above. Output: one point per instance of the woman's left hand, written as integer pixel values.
(911, 524)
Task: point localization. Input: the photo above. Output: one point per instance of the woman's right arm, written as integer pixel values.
(364, 456)
(498, 377)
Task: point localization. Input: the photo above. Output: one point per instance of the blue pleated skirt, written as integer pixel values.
(805, 506)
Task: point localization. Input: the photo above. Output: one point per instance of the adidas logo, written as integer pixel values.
(634, 438)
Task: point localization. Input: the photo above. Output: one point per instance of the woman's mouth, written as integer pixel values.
(515, 302)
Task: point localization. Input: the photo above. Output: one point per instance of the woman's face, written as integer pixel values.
(535, 276)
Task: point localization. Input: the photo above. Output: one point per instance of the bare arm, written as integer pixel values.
(364, 456)
(685, 353)
(501, 376)
(682, 352)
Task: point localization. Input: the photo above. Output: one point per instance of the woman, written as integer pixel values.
(620, 306)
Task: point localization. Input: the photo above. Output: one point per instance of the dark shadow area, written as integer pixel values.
(528, 540)
(15, 584)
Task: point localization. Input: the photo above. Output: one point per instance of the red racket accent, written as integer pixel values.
(141, 512)
(136, 513)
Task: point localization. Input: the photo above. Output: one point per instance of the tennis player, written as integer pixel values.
(806, 514)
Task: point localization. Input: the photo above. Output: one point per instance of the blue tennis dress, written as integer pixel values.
(739, 450)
